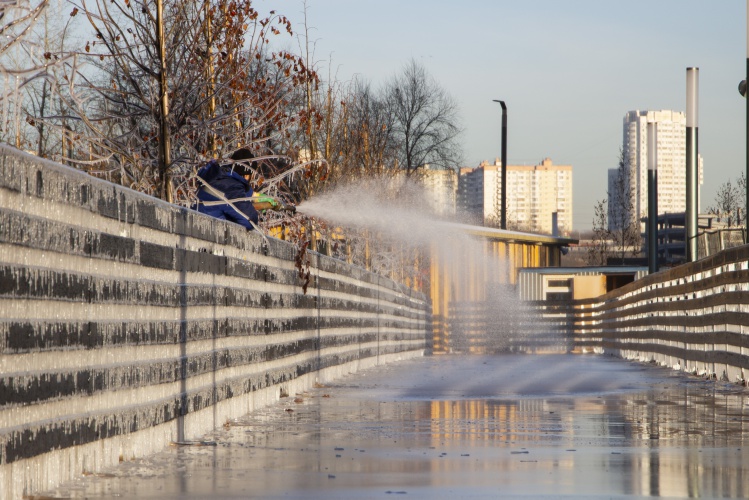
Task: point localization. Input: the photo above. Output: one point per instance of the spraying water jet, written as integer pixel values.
(469, 269)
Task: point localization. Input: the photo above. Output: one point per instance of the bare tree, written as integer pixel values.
(17, 18)
(425, 120)
(358, 134)
(372, 129)
(21, 64)
(730, 202)
(352, 128)
(49, 45)
(741, 215)
(158, 105)
(615, 223)
(599, 251)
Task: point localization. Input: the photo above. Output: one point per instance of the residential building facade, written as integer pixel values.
(671, 153)
(441, 189)
(534, 194)
(470, 198)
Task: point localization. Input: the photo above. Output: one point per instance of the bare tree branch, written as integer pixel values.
(425, 120)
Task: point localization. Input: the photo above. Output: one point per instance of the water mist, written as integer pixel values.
(484, 312)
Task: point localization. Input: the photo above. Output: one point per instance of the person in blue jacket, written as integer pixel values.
(225, 191)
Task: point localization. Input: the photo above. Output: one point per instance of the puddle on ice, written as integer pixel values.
(468, 426)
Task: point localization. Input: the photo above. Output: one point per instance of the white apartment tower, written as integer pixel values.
(470, 198)
(671, 146)
(440, 189)
(534, 193)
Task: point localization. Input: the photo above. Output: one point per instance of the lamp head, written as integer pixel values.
(742, 88)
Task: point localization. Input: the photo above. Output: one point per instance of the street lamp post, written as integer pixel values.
(503, 209)
(692, 154)
(652, 228)
(742, 91)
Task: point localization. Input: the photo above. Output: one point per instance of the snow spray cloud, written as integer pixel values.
(393, 208)
(399, 210)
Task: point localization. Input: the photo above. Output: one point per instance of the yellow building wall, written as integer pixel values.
(471, 277)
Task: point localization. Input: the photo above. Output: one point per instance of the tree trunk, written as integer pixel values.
(164, 156)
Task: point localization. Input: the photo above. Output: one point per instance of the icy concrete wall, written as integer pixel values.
(127, 323)
(694, 317)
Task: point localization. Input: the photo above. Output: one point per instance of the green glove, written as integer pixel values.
(259, 198)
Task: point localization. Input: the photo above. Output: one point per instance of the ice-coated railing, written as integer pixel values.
(127, 323)
(694, 318)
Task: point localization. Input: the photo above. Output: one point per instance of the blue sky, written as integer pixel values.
(568, 70)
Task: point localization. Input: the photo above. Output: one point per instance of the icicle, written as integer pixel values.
(17, 112)
(3, 126)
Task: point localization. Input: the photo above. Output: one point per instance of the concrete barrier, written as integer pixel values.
(694, 318)
(127, 323)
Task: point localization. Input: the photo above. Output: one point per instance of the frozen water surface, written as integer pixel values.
(515, 426)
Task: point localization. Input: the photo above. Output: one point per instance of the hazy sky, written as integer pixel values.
(568, 70)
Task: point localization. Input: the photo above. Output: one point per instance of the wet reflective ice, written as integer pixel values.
(467, 426)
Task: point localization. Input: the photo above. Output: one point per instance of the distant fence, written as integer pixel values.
(694, 317)
(490, 327)
(127, 323)
(711, 242)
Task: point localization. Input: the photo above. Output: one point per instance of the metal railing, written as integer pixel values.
(711, 242)
(690, 317)
(488, 327)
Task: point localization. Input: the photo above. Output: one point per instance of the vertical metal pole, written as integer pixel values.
(746, 208)
(164, 146)
(503, 201)
(210, 74)
(652, 197)
(504, 164)
(555, 224)
(692, 151)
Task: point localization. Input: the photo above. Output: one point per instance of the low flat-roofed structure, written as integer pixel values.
(480, 264)
(568, 283)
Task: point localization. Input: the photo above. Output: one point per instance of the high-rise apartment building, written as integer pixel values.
(470, 199)
(440, 189)
(671, 148)
(534, 193)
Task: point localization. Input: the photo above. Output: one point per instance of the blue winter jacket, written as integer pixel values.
(222, 178)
